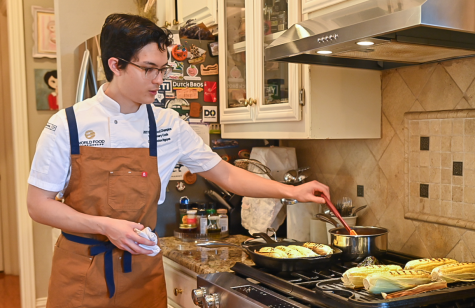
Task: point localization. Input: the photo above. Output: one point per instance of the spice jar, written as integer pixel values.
(202, 219)
(223, 220)
(191, 217)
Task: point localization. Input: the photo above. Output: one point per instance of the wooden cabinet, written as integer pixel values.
(180, 281)
(205, 11)
(276, 100)
(252, 90)
(309, 6)
(340, 103)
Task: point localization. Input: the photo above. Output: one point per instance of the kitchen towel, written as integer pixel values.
(149, 235)
(258, 214)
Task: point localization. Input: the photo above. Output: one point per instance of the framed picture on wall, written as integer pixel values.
(46, 90)
(44, 33)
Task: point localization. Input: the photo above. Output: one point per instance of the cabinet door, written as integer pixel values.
(179, 284)
(309, 6)
(234, 61)
(276, 84)
(205, 11)
(165, 13)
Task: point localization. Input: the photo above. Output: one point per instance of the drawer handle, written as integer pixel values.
(178, 291)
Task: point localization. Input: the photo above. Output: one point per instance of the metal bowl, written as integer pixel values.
(370, 241)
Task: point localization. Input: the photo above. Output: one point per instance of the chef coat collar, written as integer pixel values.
(113, 108)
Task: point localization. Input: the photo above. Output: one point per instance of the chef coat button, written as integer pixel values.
(115, 121)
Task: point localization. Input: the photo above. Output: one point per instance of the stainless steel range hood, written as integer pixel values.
(402, 32)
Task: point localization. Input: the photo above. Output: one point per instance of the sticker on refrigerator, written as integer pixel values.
(192, 72)
(210, 114)
(160, 99)
(177, 72)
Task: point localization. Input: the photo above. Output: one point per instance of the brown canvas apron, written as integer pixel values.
(120, 183)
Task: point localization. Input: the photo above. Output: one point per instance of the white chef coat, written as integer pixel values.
(101, 124)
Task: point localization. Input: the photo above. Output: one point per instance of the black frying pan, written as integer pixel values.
(281, 265)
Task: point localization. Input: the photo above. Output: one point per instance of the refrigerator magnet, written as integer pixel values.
(179, 53)
(209, 70)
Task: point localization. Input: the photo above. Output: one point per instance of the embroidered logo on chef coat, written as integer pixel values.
(51, 126)
(163, 134)
(90, 134)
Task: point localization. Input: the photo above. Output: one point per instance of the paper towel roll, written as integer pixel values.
(318, 231)
(299, 216)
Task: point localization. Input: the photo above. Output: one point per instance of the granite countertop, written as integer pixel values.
(205, 260)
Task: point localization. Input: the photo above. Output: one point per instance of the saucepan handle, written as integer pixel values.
(217, 244)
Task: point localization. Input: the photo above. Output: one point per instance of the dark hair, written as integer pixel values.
(48, 75)
(124, 35)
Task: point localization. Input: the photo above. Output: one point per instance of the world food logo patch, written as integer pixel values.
(90, 134)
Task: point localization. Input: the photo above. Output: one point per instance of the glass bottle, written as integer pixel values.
(213, 230)
(202, 219)
(184, 205)
(211, 208)
(191, 217)
(223, 220)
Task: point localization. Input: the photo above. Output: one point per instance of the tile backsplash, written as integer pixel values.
(379, 164)
(440, 167)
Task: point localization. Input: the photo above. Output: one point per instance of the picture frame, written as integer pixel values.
(213, 49)
(44, 32)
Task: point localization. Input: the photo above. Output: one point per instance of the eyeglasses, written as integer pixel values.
(152, 72)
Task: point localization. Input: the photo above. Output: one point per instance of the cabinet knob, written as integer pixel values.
(252, 101)
(167, 24)
(246, 102)
(175, 22)
(178, 291)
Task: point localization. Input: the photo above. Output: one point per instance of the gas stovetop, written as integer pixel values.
(322, 287)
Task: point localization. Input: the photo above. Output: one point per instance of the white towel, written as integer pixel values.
(149, 235)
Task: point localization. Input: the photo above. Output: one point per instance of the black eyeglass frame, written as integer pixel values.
(166, 71)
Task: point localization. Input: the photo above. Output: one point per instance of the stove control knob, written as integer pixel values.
(209, 301)
(216, 300)
(212, 301)
(198, 295)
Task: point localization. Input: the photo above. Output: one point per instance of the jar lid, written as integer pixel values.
(191, 212)
(187, 226)
(221, 211)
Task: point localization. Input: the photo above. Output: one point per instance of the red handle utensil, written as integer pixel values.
(334, 210)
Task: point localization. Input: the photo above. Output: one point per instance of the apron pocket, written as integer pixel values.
(127, 190)
(68, 278)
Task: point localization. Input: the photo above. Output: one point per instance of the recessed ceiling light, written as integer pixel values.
(324, 52)
(365, 43)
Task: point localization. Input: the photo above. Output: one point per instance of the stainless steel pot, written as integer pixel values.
(370, 241)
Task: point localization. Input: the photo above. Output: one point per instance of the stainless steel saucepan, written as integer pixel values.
(370, 241)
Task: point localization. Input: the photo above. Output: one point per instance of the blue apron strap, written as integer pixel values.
(152, 136)
(73, 130)
(99, 247)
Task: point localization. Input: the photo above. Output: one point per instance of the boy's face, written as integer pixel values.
(134, 84)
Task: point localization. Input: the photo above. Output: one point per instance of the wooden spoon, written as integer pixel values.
(334, 210)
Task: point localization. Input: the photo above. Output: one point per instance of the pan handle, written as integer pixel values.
(217, 244)
(265, 237)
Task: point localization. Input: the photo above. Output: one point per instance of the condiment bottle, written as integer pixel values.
(202, 219)
(191, 217)
(184, 203)
(211, 208)
(213, 230)
(223, 220)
